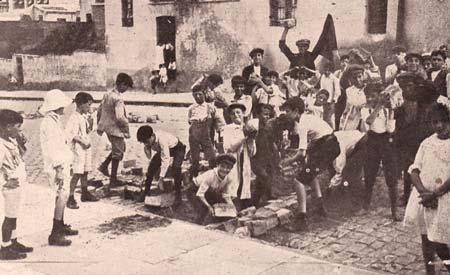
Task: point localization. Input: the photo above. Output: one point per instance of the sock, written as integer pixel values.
(7, 228)
(56, 227)
(114, 167)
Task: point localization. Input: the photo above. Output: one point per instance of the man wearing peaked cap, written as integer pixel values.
(303, 57)
(256, 69)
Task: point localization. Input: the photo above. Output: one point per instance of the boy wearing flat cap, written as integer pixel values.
(303, 57)
(256, 68)
(356, 99)
(212, 187)
(392, 70)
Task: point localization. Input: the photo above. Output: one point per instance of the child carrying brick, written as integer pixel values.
(112, 119)
(57, 158)
(269, 93)
(165, 146)
(78, 128)
(12, 177)
(200, 116)
(378, 118)
(212, 187)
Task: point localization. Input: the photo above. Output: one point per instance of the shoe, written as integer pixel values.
(8, 253)
(103, 170)
(72, 203)
(68, 231)
(87, 196)
(18, 247)
(58, 239)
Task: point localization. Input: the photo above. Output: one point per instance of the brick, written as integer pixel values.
(291, 203)
(230, 225)
(263, 213)
(250, 211)
(258, 227)
(224, 210)
(272, 222)
(284, 215)
(130, 192)
(162, 200)
(129, 163)
(242, 231)
(243, 221)
(275, 206)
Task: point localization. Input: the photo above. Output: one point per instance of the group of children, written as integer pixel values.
(300, 124)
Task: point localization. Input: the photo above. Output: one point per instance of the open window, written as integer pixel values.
(127, 13)
(281, 10)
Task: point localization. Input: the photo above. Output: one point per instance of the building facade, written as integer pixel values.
(217, 35)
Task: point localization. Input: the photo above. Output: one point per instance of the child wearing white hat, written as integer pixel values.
(57, 159)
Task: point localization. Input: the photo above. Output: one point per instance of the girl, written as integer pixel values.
(429, 204)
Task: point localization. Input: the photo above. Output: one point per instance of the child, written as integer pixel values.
(343, 62)
(166, 146)
(378, 118)
(317, 145)
(325, 109)
(112, 119)
(154, 80)
(256, 71)
(429, 204)
(356, 99)
(13, 175)
(264, 161)
(163, 78)
(199, 117)
(240, 142)
(271, 95)
(212, 187)
(330, 82)
(392, 70)
(78, 128)
(57, 158)
(239, 85)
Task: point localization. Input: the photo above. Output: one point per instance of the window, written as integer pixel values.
(377, 18)
(127, 13)
(280, 10)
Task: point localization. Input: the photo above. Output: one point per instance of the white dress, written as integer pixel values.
(433, 161)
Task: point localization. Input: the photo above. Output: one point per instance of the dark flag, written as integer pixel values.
(327, 40)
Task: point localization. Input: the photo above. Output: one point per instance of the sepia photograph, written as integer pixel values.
(269, 137)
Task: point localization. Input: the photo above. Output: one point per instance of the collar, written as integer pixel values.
(217, 175)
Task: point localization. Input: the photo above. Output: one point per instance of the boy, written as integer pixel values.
(327, 109)
(256, 69)
(12, 176)
(356, 99)
(270, 93)
(344, 61)
(199, 117)
(112, 119)
(165, 146)
(392, 70)
(378, 118)
(318, 147)
(78, 128)
(239, 85)
(57, 158)
(212, 187)
(439, 71)
(264, 161)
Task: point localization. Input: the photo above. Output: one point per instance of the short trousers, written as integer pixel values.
(11, 201)
(82, 161)
(118, 147)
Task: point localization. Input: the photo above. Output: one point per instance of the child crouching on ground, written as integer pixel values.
(12, 176)
(78, 128)
(212, 187)
(429, 204)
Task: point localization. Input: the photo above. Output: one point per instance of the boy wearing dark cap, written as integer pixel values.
(165, 146)
(414, 64)
(256, 69)
(77, 131)
(439, 71)
(303, 57)
(112, 119)
(212, 187)
(391, 71)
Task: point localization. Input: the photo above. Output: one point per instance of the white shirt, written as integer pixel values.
(163, 143)
(12, 167)
(257, 70)
(76, 126)
(382, 123)
(198, 112)
(331, 84)
(310, 128)
(275, 99)
(211, 180)
(390, 73)
(434, 74)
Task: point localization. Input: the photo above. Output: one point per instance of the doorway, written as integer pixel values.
(166, 40)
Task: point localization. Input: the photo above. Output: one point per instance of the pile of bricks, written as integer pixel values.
(256, 222)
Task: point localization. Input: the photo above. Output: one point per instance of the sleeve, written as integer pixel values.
(165, 156)
(303, 136)
(337, 88)
(120, 116)
(285, 50)
(48, 138)
(203, 182)
(71, 129)
(190, 113)
(418, 160)
(218, 120)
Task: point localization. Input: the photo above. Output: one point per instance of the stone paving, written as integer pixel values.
(369, 241)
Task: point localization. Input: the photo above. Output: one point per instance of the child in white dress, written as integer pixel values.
(429, 204)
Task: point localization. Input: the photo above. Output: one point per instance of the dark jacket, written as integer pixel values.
(296, 59)
(249, 70)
